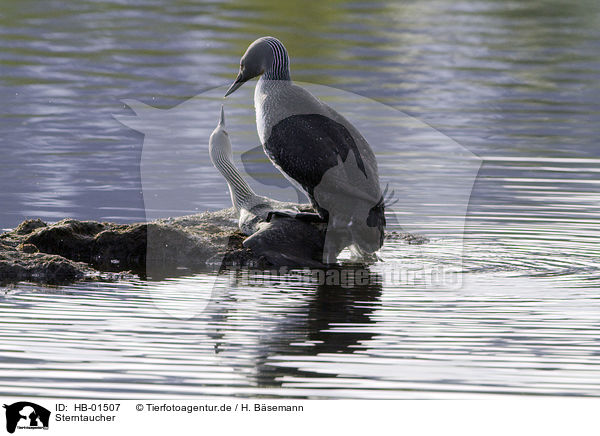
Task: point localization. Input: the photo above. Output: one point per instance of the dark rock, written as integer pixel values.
(68, 238)
(29, 226)
(17, 266)
(409, 238)
(71, 250)
(28, 248)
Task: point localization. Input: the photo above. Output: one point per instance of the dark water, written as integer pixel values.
(516, 83)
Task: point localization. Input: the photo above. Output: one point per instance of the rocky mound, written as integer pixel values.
(72, 250)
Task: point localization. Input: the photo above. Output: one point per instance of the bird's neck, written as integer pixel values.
(278, 71)
(271, 100)
(241, 192)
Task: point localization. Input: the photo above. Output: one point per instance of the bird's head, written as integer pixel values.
(266, 54)
(219, 144)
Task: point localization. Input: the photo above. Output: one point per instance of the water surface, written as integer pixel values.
(516, 83)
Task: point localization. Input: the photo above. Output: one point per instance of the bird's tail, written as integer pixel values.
(376, 216)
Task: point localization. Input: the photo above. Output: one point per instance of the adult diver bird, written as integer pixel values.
(281, 240)
(318, 151)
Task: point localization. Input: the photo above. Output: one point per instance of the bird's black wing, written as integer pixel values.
(306, 146)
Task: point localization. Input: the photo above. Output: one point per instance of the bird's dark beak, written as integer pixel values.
(239, 81)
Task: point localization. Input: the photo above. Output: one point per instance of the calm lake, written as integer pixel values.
(517, 84)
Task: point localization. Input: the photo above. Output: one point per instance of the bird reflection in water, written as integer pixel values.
(321, 318)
